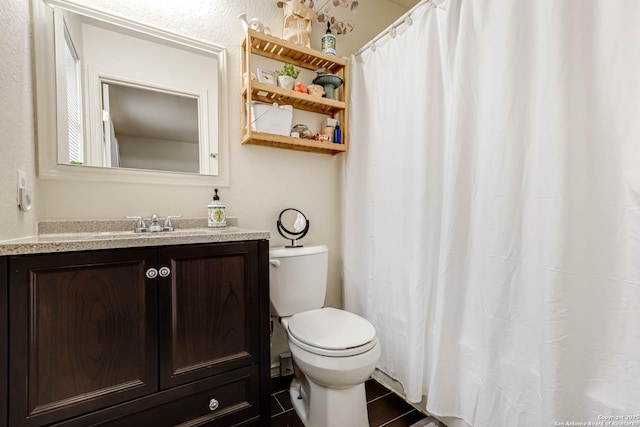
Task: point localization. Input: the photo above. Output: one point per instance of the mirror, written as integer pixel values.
(128, 96)
(292, 225)
(150, 129)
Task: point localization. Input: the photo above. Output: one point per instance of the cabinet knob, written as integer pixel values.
(213, 404)
(151, 273)
(164, 271)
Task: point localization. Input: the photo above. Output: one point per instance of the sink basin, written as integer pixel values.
(329, 82)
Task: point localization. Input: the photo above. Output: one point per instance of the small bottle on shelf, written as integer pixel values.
(337, 134)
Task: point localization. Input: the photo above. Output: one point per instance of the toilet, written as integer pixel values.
(334, 351)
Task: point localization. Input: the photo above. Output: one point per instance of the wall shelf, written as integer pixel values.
(300, 144)
(282, 50)
(300, 56)
(301, 101)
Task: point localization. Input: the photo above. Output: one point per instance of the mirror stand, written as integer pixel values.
(289, 219)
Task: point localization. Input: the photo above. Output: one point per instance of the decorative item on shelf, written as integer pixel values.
(302, 131)
(287, 76)
(329, 121)
(328, 81)
(253, 24)
(328, 42)
(298, 19)
(315, 90)
(329, 131)
(299, 15)
(301, 88)
(216, 215)
(267, 77)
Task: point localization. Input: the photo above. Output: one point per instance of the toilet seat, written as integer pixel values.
(331, 332)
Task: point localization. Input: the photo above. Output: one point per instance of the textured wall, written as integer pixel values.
(17, 141)
(263, 180)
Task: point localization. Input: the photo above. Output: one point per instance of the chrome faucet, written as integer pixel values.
(155, 223)
(155, 226)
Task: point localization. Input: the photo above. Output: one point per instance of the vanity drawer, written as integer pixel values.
(236, 393)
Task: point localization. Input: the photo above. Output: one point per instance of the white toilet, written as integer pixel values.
(335, 351)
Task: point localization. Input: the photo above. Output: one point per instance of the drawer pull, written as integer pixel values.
(152, 273)
(213, 404)
(164, 271)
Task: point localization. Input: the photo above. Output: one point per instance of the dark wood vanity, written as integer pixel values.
(147, 336)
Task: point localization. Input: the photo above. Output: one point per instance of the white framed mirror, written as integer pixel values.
(121, 101)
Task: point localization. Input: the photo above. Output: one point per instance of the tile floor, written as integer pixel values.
(385, 408)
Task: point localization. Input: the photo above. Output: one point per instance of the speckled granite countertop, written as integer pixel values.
(68, 236)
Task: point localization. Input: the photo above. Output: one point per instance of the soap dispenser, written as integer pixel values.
(217, 217)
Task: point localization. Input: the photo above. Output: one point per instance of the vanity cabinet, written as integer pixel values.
(300, 56)
(173, 335)
(4, 322)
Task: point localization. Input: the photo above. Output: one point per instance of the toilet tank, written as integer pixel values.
(297, 279)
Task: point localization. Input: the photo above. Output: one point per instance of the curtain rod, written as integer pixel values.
(404, 19)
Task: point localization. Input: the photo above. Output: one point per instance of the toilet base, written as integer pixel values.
(319, 406)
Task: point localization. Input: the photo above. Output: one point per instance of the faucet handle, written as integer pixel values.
(140, 225)
(168, 226)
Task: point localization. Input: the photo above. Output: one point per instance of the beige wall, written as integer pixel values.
(17, 138)
(263, 180)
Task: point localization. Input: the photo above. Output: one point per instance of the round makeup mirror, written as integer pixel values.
(292, 225)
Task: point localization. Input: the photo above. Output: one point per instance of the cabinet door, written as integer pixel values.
(83, 330)
(209, 313)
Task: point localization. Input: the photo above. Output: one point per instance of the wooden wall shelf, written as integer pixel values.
(300, 144)
(301, 101)
(300, 56)
(282, 50)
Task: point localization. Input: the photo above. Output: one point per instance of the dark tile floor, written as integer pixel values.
(385, 408)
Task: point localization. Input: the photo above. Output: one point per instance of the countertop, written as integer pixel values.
(61, 237)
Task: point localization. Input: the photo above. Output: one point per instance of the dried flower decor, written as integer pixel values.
(325, 13)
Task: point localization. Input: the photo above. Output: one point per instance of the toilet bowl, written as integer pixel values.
(334, 351)
(333, 364)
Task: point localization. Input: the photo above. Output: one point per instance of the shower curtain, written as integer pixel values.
(492, 209)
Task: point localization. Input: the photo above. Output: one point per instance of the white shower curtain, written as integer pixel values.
(492, 209)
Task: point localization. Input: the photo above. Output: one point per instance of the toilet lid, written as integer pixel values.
(331, 329)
